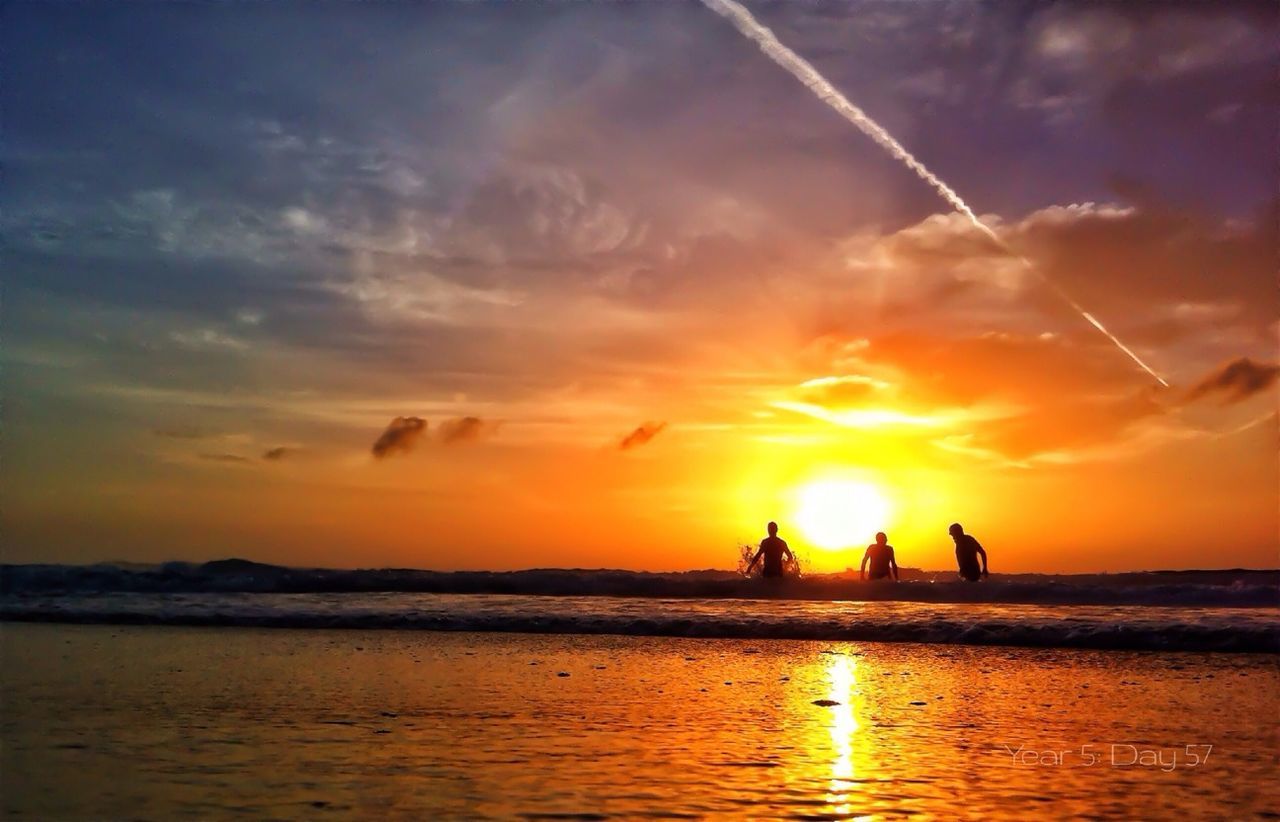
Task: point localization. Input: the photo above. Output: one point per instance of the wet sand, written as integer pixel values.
(149, 722)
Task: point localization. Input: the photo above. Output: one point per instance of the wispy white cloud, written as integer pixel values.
(204, 339)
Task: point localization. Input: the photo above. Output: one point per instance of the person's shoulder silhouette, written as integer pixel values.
(968, 552)
(774, 550)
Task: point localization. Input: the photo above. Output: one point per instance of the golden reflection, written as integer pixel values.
(842, 673)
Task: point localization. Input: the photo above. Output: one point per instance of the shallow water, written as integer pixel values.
(1151, 627)
(158, 722)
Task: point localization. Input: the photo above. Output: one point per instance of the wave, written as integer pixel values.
(1237, 588)
(1095, 627)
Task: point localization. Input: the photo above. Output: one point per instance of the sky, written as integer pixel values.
(582, 284)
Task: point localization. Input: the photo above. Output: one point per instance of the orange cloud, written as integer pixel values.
(841, 390)
(463, 429)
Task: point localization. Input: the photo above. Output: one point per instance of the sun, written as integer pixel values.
(841, 513)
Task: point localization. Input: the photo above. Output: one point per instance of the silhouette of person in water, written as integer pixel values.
(773, 548)
(967, 552)
(880, 555)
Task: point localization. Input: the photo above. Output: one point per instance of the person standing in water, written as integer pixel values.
(880, 555)
(967, 552)
(773, 548)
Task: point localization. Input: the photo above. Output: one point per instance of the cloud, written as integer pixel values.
(931, 369)
(232, 458)
(641, 435)
(463, 429)
(277, 453)
(1163, 257)
(250, 316)
(541, 212)
(1016, 399)
(1055, 428)
(1007, 397)
(1236, 381)
(181, 433)
(1182, 270)
(841, 390)
(205, 339)
(400, 435)
(390, 289)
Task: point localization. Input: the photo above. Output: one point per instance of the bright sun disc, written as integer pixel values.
(841, 513)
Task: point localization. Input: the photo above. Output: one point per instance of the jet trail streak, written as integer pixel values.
(804, 71)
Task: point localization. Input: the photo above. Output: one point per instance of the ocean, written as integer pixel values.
(1192, 611)
(238, 690)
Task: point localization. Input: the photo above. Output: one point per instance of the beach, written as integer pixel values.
(162, 721)
(624, 410)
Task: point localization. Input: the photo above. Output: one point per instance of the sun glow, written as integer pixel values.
(835, 514)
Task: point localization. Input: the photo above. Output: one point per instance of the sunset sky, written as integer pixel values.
(632, 290)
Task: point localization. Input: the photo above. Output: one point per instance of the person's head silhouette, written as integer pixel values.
(881, 538)
(956, 530)
(773, 529)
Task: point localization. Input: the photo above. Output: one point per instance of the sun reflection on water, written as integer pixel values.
(842, 672)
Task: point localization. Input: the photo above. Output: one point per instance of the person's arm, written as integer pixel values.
(862, 570)
(893, 564)
(982, 554)
(753, 562)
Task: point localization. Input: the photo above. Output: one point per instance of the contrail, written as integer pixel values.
(803, 71)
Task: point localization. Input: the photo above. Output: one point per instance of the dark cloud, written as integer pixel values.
(641, 435)
(463, 429)
(1236, 381)
(400, 436)
(277, 453)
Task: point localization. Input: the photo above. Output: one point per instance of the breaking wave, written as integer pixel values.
(1154, 628)
(1158, 611)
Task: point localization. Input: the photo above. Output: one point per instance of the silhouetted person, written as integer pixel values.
(967, 552)
(880, 555)
(773, 548)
